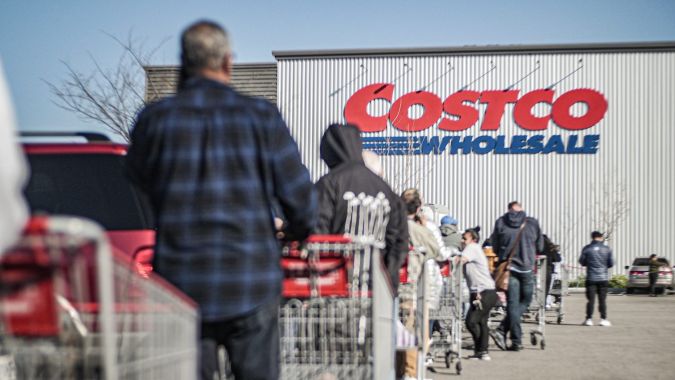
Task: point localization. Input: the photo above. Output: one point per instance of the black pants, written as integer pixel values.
(549, 277)
(251, 342)
(652, 282)
(599, 288)
(477, 318)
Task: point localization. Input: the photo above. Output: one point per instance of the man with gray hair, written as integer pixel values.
(215, 164)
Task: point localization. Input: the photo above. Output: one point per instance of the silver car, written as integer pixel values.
(638, 275)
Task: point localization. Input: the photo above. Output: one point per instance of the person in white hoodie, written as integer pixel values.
(432, 267)
(433, 270)
(13, 173)
(427, 218)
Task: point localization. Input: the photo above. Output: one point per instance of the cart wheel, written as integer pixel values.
(458, 368)
(543, 344)
(533, 339)
(560, 319)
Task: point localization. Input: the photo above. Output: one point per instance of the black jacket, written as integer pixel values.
(341, 150)
(504, 236)
(552, 252)
(597, 258)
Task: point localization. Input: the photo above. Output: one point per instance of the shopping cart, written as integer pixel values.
(337, 319)
(69, 309)
(559, 290)
(447, 332)
(537, 309)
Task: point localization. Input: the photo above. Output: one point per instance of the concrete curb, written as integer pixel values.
(583, 290)
(614, 291)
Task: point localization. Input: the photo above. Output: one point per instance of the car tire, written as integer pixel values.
(630, 290)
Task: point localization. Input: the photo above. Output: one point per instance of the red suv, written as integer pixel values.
(86, 178)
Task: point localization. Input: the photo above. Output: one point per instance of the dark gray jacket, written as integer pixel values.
(597, 258)
(504, 237)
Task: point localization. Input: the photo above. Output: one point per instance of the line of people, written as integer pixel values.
(516, 239)
(226, 182)
(215, 164)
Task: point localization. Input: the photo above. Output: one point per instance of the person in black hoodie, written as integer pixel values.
(521, 282)
(341, 150)
(552, 252)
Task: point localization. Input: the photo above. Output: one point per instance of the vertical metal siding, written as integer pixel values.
(565, 192)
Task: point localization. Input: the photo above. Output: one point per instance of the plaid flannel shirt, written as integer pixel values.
(214, 164)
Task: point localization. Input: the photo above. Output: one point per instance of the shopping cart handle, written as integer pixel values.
(333, 239)
(37, 224)
(148, 250)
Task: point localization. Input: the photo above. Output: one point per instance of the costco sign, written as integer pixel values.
(459, 112)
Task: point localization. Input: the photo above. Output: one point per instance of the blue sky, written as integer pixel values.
(35, 36)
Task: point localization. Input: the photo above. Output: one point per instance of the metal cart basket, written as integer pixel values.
(71, 310)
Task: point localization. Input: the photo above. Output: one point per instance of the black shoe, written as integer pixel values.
(515, 347)
(499, 339)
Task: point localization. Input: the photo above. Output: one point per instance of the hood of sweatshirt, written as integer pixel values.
(340, 144)
(514, 219)
(448, 229)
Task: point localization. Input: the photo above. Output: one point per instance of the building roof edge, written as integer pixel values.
(618, 47)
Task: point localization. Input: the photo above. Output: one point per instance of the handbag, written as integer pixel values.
(502, 273)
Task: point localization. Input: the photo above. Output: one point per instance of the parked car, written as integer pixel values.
(82, 174)
(638, 275)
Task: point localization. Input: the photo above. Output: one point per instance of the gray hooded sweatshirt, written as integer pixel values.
(451, 236)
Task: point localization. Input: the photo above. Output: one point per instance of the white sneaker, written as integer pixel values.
(589, 322)
(482, 356)
(605, 323)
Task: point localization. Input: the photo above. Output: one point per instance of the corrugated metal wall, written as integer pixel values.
(569, 194)
(253, 79)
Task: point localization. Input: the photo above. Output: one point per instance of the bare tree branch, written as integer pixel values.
(611, 204)
(108, 96)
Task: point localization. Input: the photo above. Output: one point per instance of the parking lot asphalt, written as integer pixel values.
(640, 344)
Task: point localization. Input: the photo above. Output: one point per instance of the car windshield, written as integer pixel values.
(641, 261)
(87, 185)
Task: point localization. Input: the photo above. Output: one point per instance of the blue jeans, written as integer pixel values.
(519, 296)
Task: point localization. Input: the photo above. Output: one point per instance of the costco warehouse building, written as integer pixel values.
(582, 135)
